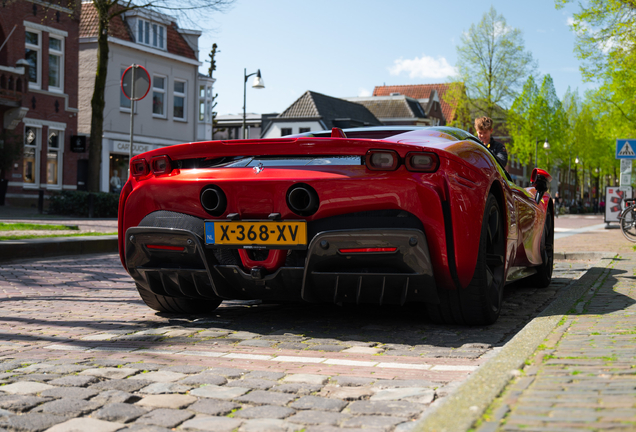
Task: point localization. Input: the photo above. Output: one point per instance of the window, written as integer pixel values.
(150, 34)
(202, 110)
(33, 55)
(158, 96)
(31, 155)
(53, 159)
(56, 64)
(124, 102)
(179, 100)
(303, 130)
(285, 131)
(201, 91)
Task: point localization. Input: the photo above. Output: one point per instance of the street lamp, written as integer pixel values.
(257, 84)
(546, 145)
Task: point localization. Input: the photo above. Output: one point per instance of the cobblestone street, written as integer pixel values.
(80, 351)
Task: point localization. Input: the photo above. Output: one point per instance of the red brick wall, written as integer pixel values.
(45, 105)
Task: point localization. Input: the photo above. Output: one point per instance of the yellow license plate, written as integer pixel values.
(270, 234)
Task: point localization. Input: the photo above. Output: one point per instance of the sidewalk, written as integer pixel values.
(572, 367)
(55, 246)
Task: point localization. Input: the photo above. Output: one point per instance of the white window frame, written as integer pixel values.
(162, 91)
(36, 164)
(175, 95)
(38, 49)
(60, 158)
(155, 33)
(59, 54)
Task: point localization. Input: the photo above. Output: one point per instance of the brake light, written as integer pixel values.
(367, 250)
(422, 162)
(161, 165)
(382, 160)
(139, 168)
(166, 247)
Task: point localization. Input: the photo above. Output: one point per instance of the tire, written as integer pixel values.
(627, 220)
(177, 305)
(543, 276)
(480, 302)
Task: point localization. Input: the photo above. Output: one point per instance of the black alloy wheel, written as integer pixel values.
(480, 302)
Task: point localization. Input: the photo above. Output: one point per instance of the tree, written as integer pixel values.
(523, 121)
(106, 11)
(492, 62)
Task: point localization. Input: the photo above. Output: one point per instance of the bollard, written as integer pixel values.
(91, 199)
(41, 201)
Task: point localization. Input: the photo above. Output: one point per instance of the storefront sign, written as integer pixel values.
(78, 143)
(123, 147)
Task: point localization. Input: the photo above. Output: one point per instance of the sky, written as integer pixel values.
(345, 48)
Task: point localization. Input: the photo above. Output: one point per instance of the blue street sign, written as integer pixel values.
(626, 149)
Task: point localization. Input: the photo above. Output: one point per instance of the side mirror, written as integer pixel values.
(540, 179)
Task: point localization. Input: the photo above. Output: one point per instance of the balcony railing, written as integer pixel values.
(13, 85)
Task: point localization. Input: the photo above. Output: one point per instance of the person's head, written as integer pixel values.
(483, 126)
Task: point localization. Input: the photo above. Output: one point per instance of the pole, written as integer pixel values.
(132, 115)
(244, 101)
(536, 152)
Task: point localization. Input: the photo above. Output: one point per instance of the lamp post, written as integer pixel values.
(546, 145)
(258, 84)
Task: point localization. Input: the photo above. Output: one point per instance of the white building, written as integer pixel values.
(178, 105)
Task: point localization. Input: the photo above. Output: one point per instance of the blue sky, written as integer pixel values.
(346, 47)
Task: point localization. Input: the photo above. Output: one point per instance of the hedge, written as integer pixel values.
(75, 203)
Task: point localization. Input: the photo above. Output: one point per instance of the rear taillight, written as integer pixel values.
(139, 168)
(422, 162)
(368, 250)
(382, 160)
(161, 165)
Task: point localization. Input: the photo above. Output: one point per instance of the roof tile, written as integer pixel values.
(420, 91)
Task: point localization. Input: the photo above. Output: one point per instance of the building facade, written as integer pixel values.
(39, 96)
(315, 112)
(178, 105)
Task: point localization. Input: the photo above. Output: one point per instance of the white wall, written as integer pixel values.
(274, 130)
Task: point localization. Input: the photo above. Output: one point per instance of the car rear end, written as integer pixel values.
(307, 218)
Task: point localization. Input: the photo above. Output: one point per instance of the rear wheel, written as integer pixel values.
(178, 305)
(543, 276)
(480, 302)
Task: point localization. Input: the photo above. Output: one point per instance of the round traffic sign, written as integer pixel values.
(142, 82)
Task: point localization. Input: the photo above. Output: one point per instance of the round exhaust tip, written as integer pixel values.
(213, 200)
(303, 200)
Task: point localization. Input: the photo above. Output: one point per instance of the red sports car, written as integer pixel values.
(380, 215)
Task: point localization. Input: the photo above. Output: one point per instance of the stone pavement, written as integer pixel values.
(80, 351)
(583, 376)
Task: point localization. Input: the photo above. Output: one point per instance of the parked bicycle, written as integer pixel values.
(627, 219)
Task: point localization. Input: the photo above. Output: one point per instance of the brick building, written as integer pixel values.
(38, 95)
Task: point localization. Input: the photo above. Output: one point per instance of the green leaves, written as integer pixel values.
(492, 62)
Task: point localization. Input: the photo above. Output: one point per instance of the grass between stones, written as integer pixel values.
(35, 227)
(33, 236)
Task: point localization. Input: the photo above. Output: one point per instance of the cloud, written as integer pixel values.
(423, 67)
(362, 92)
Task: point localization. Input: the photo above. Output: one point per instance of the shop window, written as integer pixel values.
(158, 96)
(117, 172)
(31, 155)
(179, 100)
(33, 55)
(53, 158)
(56, 64)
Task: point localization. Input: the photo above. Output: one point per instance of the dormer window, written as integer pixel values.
(151, 34)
